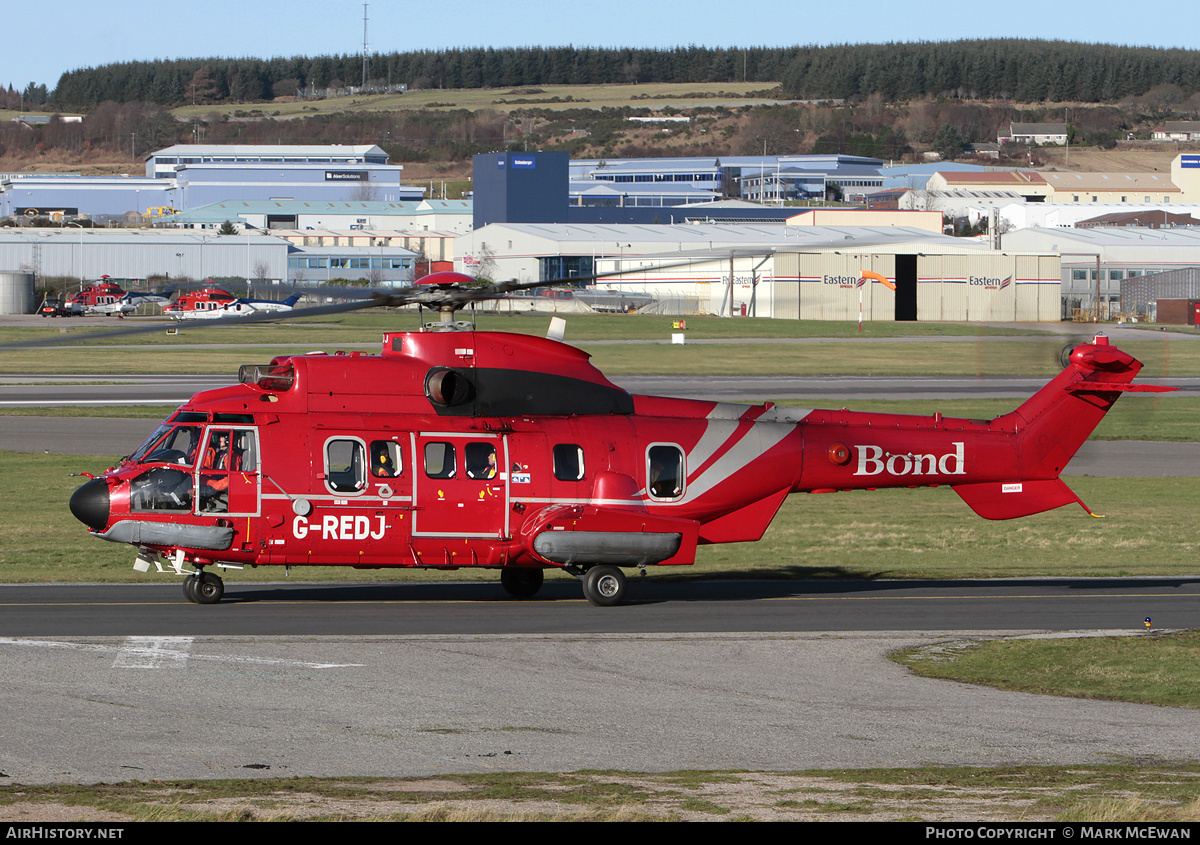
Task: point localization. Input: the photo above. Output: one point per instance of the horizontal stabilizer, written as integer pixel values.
(1105, 386)
(1010, 499)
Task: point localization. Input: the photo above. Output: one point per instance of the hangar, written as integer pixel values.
(788, 272)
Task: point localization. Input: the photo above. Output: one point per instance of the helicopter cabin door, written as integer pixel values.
(460, 488)
(227, 472)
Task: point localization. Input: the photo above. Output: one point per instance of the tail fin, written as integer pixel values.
(291, 301)
(1050, 427)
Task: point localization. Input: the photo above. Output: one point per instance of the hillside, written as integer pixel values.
(1120, 160)
(434, 133)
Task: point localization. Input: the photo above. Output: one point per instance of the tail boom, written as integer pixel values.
(1002, 468)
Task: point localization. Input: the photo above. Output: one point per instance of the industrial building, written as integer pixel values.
(1096, 261)
(186, 176)
(141, 254)
(1170, 297)
(58, 195)
(680, 181)
(789, 272)
(164, 163)
(424, 215)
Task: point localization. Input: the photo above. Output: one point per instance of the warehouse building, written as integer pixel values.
(162, 164)
(186, 176)
(1170, 297)
(1096, 261)
(424, 215)
(140, 254)
(58, 195)
(789, 272)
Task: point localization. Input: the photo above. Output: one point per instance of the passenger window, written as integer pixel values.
(568, 462)
(439, 460)
(665, 466)
(481, 460)
(385, 459)
(345, 470)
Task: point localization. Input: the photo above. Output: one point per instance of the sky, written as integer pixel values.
(47, 39)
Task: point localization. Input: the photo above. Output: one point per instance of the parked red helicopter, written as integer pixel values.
(215, 303)
(460, 448)
(105, 297)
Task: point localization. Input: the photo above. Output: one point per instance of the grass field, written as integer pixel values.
(1143, 669)
(656, 95)
(620, 345)
(1146, 792)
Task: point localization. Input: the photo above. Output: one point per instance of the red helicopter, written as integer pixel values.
(215, 303)
(105, 297)
(100, 298)
(459, 448)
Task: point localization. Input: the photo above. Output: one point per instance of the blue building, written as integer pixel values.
(191, 175)
(71, 195)
(534, 188)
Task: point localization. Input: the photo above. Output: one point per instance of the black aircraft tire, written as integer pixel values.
(522, 582)
(209, 588)
(189, 589)
(604, 586)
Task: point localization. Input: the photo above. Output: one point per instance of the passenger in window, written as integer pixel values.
(664, 475)
(214, 486)
(382, 465)
(481, 461)
(659, 486)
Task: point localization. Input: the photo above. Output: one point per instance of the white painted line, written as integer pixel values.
(153, 653)
(143, 649)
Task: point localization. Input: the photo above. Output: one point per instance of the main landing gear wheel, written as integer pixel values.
(604, 586)
(208, 588)
(189, 589)
(522, 582)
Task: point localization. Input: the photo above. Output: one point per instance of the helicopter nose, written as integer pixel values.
(90, 504)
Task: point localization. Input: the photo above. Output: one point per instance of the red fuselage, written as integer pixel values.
(487, 449)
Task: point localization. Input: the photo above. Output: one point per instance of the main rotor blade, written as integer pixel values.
(238, 320)
(433, 296)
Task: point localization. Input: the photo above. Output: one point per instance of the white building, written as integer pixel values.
(790, 272)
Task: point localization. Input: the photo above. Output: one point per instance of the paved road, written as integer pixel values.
(258, 687)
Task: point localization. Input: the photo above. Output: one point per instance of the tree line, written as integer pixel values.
(1025, 70)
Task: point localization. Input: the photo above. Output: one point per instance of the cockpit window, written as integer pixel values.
(141, 451)
(170, 445)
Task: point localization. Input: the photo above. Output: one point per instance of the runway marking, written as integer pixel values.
(153, 652)
(137, 652)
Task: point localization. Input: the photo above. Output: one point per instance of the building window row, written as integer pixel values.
(376, 263)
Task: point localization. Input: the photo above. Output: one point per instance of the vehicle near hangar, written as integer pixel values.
(460, 448)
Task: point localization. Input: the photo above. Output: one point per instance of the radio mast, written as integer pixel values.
(364, 79)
